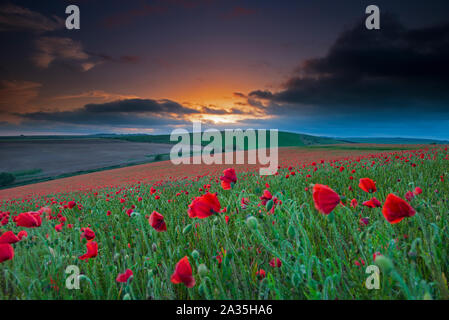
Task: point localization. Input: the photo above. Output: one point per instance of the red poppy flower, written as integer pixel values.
(229, 178)
(9, 237)
(409, 196)
(261, 273)
(22, 234)
(156, 220)
(92, 251)
(325, 198)
(266, 197)
(28, 220)
(71, 204)
(6, 252)
(375, 255)
(395, 209)
(123, 277)
(276, 263)
(87, 233)
(354, 203)
(183, 273)
(204, 206)
(244, 202)
(4, 221)
(367, 185)
(373, 203)
(364, 221)
(417, 191)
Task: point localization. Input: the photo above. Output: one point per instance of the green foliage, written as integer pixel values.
(6, 179)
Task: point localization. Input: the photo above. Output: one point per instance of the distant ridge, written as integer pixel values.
(285, 139)
(397, 140)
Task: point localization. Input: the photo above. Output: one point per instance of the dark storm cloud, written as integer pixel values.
(239, 95)
(393, 69)
(138, 106)
(261, 94)
(84, 118)
(132, 112)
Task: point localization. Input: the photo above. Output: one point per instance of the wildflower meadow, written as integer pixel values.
(308, 232)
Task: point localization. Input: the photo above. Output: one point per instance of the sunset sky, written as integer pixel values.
(149, 66)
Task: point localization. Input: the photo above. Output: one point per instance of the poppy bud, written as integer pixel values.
(384, 263)
(154, 247)
(269, 205)
(134, 214)
(195, 254)
(187, 229)
(202, 270)
(252, 222)
(83, 277)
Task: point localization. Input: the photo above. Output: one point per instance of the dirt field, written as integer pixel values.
(56, 157)
(158, 172)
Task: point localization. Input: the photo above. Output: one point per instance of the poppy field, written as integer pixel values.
(308, 232)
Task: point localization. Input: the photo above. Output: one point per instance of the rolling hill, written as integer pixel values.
(398, 140)
(286, 139)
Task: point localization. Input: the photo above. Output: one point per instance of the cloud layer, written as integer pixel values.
(14, 17)
(128, 112)
(17, 95)
(391, 70)
(50, 49)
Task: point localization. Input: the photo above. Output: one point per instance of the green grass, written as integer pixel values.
(286, 139)
(318, 252)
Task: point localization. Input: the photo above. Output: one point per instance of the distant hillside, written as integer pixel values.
(397, 140)
(285, 139)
